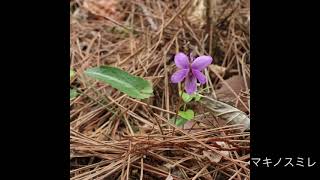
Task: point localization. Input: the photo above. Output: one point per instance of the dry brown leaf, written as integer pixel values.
(237, 84)
(226, 112)
(196, 13)
(189, 124)
(215, 157)
(191, 127)
(218, 69)
(104, 8)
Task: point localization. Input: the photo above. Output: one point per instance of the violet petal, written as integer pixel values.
(179, 75)
(201, 78)
(201, 62)
(191, 84)
(181, 60)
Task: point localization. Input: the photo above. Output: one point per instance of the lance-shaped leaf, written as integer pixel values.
(72, 73)
(73, 93)
(133, 86)
(224, 111)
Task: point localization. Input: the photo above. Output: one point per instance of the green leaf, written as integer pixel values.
(186, 97)
(73, 93)
(188, 114)
(197, 97)
(181, 121)
(72, 73)
(133, 86)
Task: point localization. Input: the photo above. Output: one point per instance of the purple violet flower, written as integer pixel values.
(190, 70)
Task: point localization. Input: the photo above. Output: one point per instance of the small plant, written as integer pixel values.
(189, 69)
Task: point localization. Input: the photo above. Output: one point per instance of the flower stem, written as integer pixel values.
(178, 107)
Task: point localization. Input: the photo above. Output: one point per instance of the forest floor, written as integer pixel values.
(114, 136)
